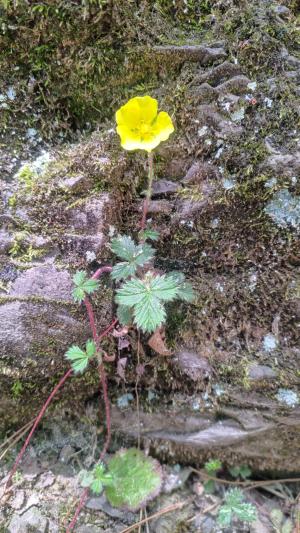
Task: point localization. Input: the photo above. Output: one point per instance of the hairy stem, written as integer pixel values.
(149, 190)
(37, 420)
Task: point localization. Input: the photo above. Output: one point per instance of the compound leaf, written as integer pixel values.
(83, 285)
(149, 234)
(149, 313)
(79, 358)
(124, 247)
(123, 270)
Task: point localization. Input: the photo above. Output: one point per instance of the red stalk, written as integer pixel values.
(37, 420)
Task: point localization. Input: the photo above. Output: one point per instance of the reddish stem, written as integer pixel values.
(37, 420)
(101, 271)
(103, 380)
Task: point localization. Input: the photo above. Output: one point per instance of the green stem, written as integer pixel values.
(149, 190)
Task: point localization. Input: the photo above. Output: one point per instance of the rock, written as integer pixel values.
(192, 365)
(81, 244)
(208, 525)
(208, 115)
(261, 372)
(187, 208)
(197, 53)
(200, 171)
(159, 207)
(66, 454)
(283, 164)
(235, 85)
(282, 11)
(45, 281)
(76, 184)
(18, 500)
(46, 480)
(100, 503)
(164, 187)
(6, 241)
(30, 522)
(218, 74)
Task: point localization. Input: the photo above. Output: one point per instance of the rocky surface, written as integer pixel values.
(232, 390)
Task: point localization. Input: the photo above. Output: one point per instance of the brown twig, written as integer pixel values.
(166, 510)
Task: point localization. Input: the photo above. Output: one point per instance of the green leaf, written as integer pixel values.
(209, 486)
(135, 255)
(83, 285)
(185, 290)
(213, 466)
(149, 313)
(245, 512)
(234, 471)
(124, 315)
(234, 505)
(90, 348)
(136, 479)
(124, 247)
(165, 287)
(98, 475)
(224, 516)
(131, 293)
(123, 271)
(78, 358)
(149, 234)
(245, 471)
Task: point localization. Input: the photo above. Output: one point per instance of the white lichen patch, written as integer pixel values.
(270, 342)
(284, 209)
(287, 397)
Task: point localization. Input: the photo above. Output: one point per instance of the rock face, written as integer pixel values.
(38, 316)
(225, 180)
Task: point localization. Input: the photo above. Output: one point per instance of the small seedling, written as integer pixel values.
(211, 468)
(235, 507)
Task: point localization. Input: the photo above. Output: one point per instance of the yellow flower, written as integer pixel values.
(140, 126)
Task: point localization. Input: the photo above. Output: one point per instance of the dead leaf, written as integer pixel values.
(157, 342)
(122, 362)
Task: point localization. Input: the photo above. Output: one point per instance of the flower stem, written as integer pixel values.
(149, 190)
(37, 420)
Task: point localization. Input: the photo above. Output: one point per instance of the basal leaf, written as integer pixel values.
(79, 278)
(78, 358)
(136, 479)
(78, 294)
(164, 287)
(124, 315)
(225, 516)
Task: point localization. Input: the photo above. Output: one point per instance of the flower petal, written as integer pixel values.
(129, 114)
(148, 107)
(163, 126)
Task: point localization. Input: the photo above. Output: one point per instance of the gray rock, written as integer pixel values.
(200, 171)
(81, 244)
(45, 281)
(164, 187)
(208, 525)
(18, 500)
(76, 184)
(6, 241)
(197, 53)
(283, 164)
(260, 372)
(161, 207)
(66, 453)
(218, 74)
(100, 503)
(192, 365)
(31, 521)
(282, 11)
(46, 480)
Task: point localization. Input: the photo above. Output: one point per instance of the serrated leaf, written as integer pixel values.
(165, 287)
(79, 278)
(96, 486)
(78, 359)
(149, 313)
(124, 247)
(78, 294)
(83, 286)
(123, 270)
(234, 497)
(245, 512)
(124, 315)
(149, 234)
(131, 293)
(213, 466)
(245, 471)
(136, 479)
(90, 348)
(143, 254)
(185, 290)
(224, 516)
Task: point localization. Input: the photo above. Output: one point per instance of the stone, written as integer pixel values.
(282, 11)
(159, 207)
(283, 164)
(76, 184)
(46, 281)
(18, 500)
(194, 53)
(192, 365)
(46, 480)
(6, 241)
(66, 453)
(31, 521)
(100, 503)
(200, 171)
(218, 74)
(164, 187)
(261, 372)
